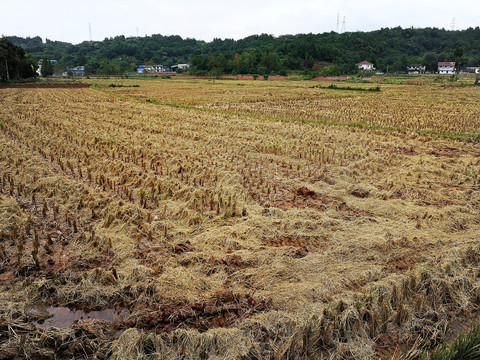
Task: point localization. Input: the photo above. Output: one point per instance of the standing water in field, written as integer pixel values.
(63, 317)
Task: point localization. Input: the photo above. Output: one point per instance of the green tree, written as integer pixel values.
(270, 61)
(107, 67)
(47, 68)
(400, 65)
(430, 60)
(457, 54)
(244, 63)
(14, 63)
(263, 53)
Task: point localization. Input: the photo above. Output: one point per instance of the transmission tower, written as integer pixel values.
(453, 24)
(343, 25)
(90, 30)
(137, 30)
(338, 23)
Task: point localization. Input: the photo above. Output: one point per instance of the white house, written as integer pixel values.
(180, 67)
(365, 65)
(446, 68)
(416, 69)
(151, 68)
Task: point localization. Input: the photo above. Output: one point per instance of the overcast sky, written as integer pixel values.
(68, 20)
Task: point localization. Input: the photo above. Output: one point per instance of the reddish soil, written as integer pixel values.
(402, 263)
(44, 86)
(276, 77)
(245, 77)
(306, 198)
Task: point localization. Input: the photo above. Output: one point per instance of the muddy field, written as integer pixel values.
(199, 219)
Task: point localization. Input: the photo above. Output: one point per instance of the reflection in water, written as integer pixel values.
(64, 317)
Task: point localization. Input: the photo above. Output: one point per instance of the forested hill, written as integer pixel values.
(328, 53)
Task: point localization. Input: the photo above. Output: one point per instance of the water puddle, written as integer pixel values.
(63, 317)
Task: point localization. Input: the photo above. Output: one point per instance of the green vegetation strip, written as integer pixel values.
(119, 85)
(465, 347)
(359, 125)
(333, 86)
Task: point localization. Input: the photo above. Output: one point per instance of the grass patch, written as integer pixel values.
(21, 81)
(465, 347)
(120, 85)
(358, 81)
(335, 87)
(152, 101)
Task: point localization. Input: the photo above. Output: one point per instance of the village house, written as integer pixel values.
(151, 68)
(473, 70)
(365, 65)
(446, 68)
(76, 71)
(416, 69)
(180, 67)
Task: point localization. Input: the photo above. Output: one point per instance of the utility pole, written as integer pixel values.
(6, 67)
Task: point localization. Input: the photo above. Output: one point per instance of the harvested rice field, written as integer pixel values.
(200, 219)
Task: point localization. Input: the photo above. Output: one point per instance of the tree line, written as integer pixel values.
(320, 54)
(14, 62)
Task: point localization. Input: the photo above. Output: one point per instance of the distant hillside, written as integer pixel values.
(327, 53)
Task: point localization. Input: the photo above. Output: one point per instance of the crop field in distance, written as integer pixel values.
(201, 219)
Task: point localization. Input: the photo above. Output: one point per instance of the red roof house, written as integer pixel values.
(365, 65)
